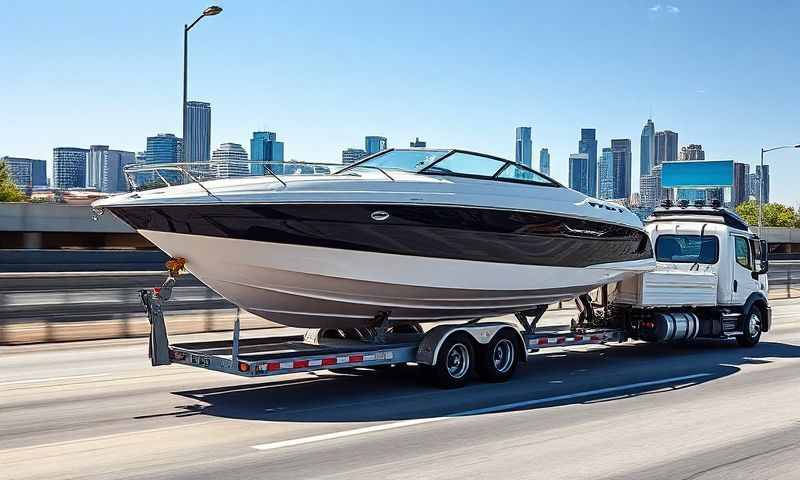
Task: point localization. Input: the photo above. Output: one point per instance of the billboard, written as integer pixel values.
(697, 174)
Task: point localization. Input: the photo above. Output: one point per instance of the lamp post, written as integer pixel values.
(761, 183)
(208, 12)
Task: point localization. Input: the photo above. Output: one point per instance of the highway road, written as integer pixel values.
(700, 411)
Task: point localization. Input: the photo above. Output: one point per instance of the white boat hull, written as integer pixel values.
(318, 287)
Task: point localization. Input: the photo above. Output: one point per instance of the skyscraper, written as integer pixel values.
(69, 167)
(605, 174)
(588, 145)
(417, 143)
(647, 151)
(229, 160)
(197, 144)
(352, 155)
(579, 172)
(666, 147)
(544, 161)
(162, 148)
(373, 144)
(739, 189)
(621, 152)
(113, 170)
(524, 146)
(27, 172)
(95, 163)
(691, 152)
(265, 147)
(650, 189)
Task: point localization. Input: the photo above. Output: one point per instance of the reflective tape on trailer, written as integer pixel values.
(571, 339)
(306, 363)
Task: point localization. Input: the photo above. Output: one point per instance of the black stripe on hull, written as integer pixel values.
(462, 233)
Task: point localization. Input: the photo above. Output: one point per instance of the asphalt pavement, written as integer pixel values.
(708, 410)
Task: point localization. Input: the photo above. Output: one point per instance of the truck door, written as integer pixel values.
(743, 282)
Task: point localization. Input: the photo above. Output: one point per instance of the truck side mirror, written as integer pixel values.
(764, 263)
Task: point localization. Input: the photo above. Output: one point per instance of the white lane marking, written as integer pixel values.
(52, 379)
(477, 411)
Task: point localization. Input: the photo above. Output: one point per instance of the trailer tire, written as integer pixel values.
(751, 326)
(454, 362)
(498, 359)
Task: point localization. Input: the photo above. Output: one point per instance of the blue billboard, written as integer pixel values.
(697, 174)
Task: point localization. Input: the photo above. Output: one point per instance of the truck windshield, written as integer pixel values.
(687, 249)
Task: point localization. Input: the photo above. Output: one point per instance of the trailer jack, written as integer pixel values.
(152, 299)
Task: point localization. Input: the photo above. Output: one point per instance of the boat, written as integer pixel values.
(408, 235)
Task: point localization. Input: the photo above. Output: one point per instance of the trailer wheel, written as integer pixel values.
(498, 359)
(751, 328)
(454, 361)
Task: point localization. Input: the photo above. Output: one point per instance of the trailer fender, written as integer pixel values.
(482, 333)
(758, 298)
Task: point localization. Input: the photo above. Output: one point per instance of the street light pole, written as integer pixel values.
(761, 183)
(208, 12)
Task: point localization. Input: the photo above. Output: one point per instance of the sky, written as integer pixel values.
(323, 74)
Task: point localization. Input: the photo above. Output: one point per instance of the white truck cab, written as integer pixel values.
(710, 279)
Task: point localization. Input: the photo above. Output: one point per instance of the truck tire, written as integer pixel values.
(498, 359)
(454, 362)
(751, 326)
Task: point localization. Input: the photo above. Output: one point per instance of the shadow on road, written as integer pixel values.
(398, 394)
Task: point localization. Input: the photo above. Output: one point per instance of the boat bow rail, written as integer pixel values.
(148, 176)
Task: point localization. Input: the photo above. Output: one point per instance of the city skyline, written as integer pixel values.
(449, 109)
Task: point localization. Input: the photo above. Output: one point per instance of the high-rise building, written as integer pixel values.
(229, 160)
(197, 144)
(141, 158)
(373, 144)
(265, 147)
(666, 147)
(524, 146)
(69, 167)
(588, 145)
(691, 152)
(739, 190)
(579, 172)
(162, 148)
(621, 151)
(605, 174)
(650, 189)
(544, 161)
(352, 155)
(417, 143)
(27, 172)
(647, 148)
(113, 170)
(95, 163)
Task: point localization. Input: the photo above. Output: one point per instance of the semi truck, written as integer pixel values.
(710, 282)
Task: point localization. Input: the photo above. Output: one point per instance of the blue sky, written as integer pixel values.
(455, 73)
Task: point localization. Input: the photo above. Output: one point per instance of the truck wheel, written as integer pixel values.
(751, 328)
(498, 359)
(454, 361)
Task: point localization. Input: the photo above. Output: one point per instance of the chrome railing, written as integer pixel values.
(147, 176)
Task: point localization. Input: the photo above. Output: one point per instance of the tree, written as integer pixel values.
(774, 214)
(8, 190)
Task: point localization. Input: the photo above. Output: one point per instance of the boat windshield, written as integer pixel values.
(453, 163)
(406, 160)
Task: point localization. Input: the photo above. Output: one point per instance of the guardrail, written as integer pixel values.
(54, 301)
